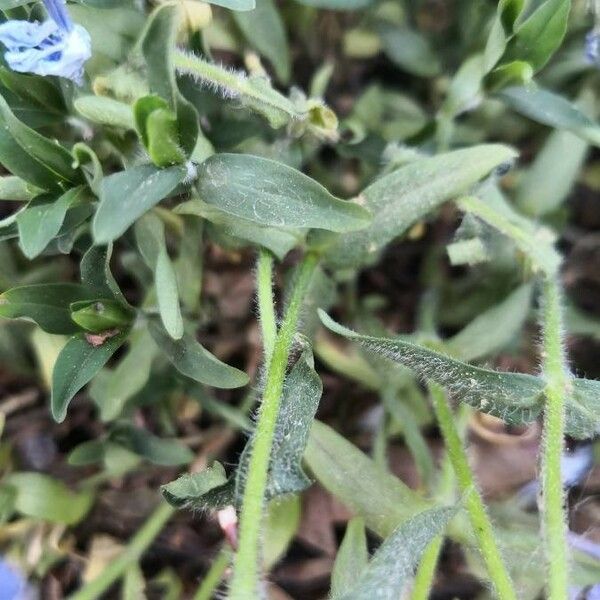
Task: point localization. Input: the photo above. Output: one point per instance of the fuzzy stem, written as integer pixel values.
(214, 575)
(245, 582)
(557, 377)
(426, 571)
(266, 309)
(130, 555)
(480, 521)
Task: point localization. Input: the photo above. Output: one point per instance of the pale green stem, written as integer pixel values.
(426, 571)
(266, 308)
(213, 577)
(558, 382)
(245, 582)
(130, 555)
(480, 521)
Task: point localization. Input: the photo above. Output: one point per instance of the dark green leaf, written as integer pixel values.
(198, 490)
(78, 362)
(158, 45)
(31, 156)
(195, 362)
(126, 196)
(96, 274)
(43, 218)
(47, 304)
(273, 194)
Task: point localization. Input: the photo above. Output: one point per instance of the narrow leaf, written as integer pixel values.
(195, 362)
(351, 559)
(77, 363)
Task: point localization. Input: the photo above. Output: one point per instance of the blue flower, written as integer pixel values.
(55, 47)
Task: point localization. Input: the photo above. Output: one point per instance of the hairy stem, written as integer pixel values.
(245, 583)
(480, 521)
(266, 308)
(426, 571)
(558, 383)
(131, 555)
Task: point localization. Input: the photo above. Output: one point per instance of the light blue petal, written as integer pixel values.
(58, 13)
(45, 49)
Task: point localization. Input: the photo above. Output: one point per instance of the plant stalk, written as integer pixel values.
(130, 555)
(266, 308)
(558, 383)
(480, 521)
(213, 577)
(245, 582)
(426, 571)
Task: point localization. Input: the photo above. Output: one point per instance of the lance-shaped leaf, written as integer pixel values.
(150, 236)
(31, 156)
(96, 274)
(270, 193)
(398, 200)
(514, 397)
(126, 196)
(394, 563)
(43, 218)
(46, 304)
(78, 362)
(351, 476)
(191, 359)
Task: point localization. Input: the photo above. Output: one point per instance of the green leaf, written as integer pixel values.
(97, 316)
(105, 111)
(112, 388)
(272, 194)
(493, 329)
(264, 30)
(351, 559)
(15, 189)
(157, 126)
(158, 45)
(43, 218)
(150, 236)
(96, 274)
(513, 397)
(78, 362)
(31, 156)
(394, 563)
(126, 196)
(551, 109)
(197, 490)
(278, 240)
(541, 34)
(39, 90)
(195, 362)
(400, 199)
(46, 304)
(154, 449)
(409, 49)
(42, 497)
(351, 476)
